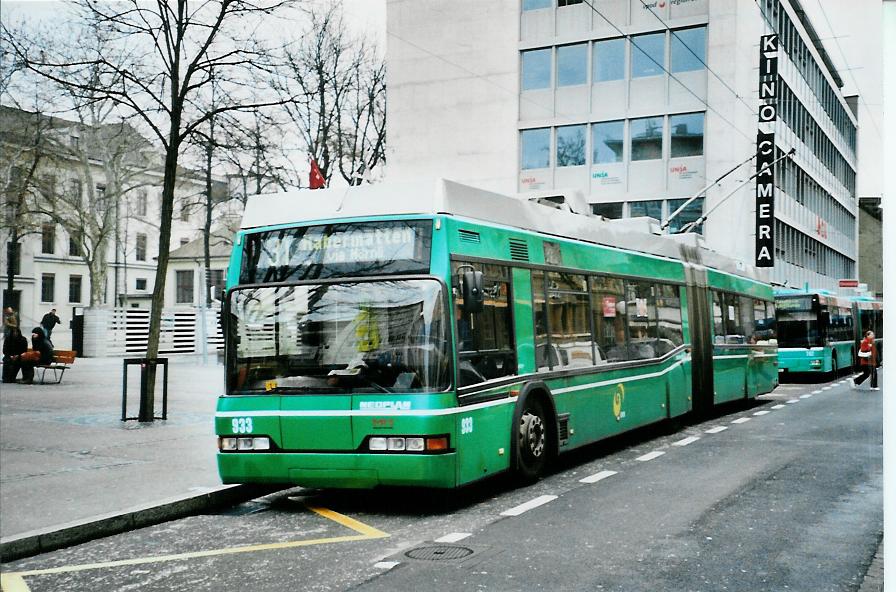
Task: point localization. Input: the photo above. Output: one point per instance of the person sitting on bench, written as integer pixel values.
(14, 345)
(41, 353)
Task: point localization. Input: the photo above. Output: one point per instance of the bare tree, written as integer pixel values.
(333, 87)
(169, 52)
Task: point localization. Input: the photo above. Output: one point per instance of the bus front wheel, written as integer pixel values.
(532, 443)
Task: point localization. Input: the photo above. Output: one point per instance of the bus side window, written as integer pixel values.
(668, 305)
(608, 305)
(734, 331)
(543, 361)
(485, 342)
(718, 326)
(568, 322)
(641, 304)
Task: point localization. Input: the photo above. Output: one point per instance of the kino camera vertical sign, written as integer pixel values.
(765, 151)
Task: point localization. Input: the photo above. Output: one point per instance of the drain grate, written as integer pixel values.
(439, 553)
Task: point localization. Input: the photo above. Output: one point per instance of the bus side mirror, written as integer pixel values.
(471, 286)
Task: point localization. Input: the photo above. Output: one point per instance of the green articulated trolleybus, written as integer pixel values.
(820, 332)
(434, 334)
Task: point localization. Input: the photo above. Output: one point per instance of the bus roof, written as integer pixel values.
(445, 197)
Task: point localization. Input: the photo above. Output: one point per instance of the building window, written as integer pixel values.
(572, 64)
(536, 148)
(571, 145)
(74, 141)
(216, 282)
(74, 288)
(687, 134)
(609, 60)
(184, 242)
(611, 211)
(652, 208)
(568, 2)
(648, 55)
(184, 287)
(48, 238)
(141, 247)
(140, 284)
(646, 138)
(688, 50)
(48, 287)
(686, 216)
(74, 245)
(536, 4)
(536, 69)
(75, 191)
(184, 211)
(140, 206)
(101, 204)
(607, 141)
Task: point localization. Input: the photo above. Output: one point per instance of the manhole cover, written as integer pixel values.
(439, 553)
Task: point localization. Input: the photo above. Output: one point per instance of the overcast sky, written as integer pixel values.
(850, 30)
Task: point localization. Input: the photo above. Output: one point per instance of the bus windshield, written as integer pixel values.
(378, 336)
(797, 323)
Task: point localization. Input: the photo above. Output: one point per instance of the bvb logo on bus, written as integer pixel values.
(618, 398)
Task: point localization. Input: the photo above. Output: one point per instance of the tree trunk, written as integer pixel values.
(147, 404)
(207, 229)
(96, 268)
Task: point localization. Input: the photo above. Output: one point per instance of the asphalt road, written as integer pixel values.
(783, 494)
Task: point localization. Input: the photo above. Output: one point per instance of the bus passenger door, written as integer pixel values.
(700, 328)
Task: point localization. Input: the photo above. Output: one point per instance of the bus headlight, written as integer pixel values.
(227, 444)
(422, 444)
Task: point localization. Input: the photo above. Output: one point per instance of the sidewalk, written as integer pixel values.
(66, 456)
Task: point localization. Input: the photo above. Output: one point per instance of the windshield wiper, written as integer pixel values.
(376, 385)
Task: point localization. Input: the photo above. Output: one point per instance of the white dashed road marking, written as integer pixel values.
(779, 406)
(763, 412)
(806, 396)
(716, 430)
(741, 420)
(539, 501)
(791, 401)
(650, 455)
(597, 477)
(453, 537)
(818, 392)
(826, 388)
(686, 441)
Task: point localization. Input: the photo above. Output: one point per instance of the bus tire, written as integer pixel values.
(532, 438)
(834, 368)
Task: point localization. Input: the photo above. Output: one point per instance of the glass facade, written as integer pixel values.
(607, 141)
(648, 54)
(572, 64)
(536, 69)
(609, 60)
(536, 148)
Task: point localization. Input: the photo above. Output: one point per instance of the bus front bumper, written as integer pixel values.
(349, 471)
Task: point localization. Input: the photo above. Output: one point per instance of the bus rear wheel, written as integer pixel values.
(532, 444)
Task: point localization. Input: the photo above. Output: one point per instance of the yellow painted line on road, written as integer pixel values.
(12, 582)
(365, 532)
(351, 523)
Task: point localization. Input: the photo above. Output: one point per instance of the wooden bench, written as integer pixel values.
(62, 361)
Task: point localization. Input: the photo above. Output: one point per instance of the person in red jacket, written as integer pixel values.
(868, 361)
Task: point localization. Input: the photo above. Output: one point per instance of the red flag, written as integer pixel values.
(316, 179)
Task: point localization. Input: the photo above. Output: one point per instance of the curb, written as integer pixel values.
(40, 541)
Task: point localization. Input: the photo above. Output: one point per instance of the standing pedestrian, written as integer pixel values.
(49, 321)
(867, 361)
(10, 321)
